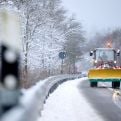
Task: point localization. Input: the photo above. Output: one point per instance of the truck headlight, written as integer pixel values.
(95, 61)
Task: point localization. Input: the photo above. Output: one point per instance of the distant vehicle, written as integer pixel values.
(84, 74)
(105, 67)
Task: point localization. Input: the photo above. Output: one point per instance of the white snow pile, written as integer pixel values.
(67, 103)
(32, 101)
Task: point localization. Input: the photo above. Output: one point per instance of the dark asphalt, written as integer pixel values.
(101, 99)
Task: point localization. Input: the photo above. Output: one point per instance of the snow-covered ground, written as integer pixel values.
(68, 103)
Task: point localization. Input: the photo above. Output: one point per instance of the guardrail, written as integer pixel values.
(32, 101)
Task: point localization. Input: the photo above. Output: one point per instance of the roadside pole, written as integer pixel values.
(10, 45)
(62, 56)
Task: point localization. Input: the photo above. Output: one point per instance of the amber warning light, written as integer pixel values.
(109, 45)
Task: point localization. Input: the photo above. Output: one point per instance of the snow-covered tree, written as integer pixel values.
(45, 30)
(74, 41)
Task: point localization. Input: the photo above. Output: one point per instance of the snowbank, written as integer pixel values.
(67, 103)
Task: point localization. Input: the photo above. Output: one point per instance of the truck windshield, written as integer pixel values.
(105, 55)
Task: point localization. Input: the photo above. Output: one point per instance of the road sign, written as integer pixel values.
(62, 55)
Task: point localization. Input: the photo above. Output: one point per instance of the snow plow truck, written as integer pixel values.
(105, 67)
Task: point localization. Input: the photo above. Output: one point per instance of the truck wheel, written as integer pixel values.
(93, 84)
(116, 85)
(112, 84)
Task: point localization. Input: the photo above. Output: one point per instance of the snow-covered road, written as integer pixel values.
(68, 103)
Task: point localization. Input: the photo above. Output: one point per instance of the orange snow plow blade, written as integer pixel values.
(104, 74)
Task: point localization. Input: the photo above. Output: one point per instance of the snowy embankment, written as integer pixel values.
(68, 103)
(32, 101)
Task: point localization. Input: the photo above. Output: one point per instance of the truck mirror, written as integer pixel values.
(91, 53)
(118, 52)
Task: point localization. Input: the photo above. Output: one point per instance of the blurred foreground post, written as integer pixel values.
(10, 45)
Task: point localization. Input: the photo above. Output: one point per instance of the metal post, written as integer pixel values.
(62, 66)
(10, 47)
(62, 56)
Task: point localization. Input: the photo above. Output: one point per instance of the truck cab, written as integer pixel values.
(105, 57)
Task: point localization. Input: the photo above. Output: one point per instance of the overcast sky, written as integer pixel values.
(96, 15)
